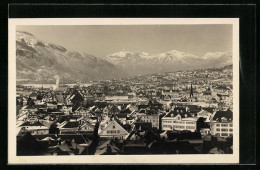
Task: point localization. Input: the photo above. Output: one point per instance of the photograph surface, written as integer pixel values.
(123, 91)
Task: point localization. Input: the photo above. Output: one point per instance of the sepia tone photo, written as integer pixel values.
(123, 91)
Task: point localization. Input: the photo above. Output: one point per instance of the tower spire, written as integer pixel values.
(191, 90)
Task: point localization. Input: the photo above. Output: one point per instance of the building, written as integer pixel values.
(34, 127)
(221, 123)
(179, 119)
(113, 130)
(150, 116)
(69, 127)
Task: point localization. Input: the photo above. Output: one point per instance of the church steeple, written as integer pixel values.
(191, 90)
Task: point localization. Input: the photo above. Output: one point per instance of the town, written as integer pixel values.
(181, 112)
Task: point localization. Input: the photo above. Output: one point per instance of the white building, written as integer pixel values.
(179, 119)
(221, 123)
(113, 130)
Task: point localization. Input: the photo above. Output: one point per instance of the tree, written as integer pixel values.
(30, 102)
(53, 129)
(201, 124)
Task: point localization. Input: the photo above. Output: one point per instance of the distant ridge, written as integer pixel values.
(145, 63)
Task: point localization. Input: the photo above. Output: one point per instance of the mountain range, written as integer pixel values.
(145, 63)
(39, 61)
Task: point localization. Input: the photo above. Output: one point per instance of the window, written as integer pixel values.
(224, 125)
(224, 130)
(190, 127)
(231, 125)
(217, 125)
(224, 134)
(118, 131)
(218, 129)
(231, 130)
(114, 127)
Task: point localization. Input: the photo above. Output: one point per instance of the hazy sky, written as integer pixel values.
(103, 40)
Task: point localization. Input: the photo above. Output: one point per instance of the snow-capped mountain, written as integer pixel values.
(39, 61)
(217, 59)
(143, 63)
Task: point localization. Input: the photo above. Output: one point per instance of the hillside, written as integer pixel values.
(39, 61)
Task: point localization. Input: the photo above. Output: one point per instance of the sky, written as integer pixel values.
(101, 40)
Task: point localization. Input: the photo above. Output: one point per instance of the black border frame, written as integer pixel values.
(246, 13)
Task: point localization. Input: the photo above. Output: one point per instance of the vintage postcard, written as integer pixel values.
(123, 91)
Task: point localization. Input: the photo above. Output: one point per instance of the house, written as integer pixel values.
(206, 96)
(107, 148)
(193, 109)
(86, 126)
(29, 109)
(69, 127)
(151, 116)
(67, 110)
(34, 127)
(135, 143)
(221, 123)
(52, 106)
(75, 97)
(179, 119)
(33, 95)
(113, 130)
(205, 115)
(121, 117)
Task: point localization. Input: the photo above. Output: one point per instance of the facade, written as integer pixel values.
(150, 116)
(221, 123)
(34, 128)
(69, 127)
(113, 130)
(179, 119)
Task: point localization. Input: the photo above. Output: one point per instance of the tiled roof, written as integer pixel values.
(209, 109)
(193, 107)
(121, 115)
(219, 115)
(178, 111)
(126, 111)
(71, 125)
(32, 124)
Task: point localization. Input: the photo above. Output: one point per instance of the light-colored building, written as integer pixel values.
(34, 127)
(113, 130)
(221, 123)
(150, 116)
(179, 119)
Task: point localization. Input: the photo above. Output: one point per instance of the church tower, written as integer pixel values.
(191, 92)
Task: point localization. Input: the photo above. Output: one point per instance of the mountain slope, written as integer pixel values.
(39, 61)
